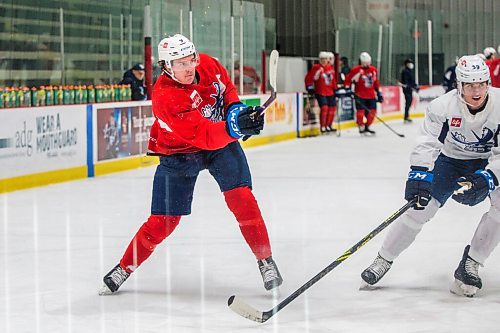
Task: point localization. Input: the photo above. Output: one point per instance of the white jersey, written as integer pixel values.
(449, 128)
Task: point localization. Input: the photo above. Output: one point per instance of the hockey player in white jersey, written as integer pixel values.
(457, 155)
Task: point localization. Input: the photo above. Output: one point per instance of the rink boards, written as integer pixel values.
(50, 144)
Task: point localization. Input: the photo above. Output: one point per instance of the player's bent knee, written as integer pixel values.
(158, 227)
(242, 203)
(417, 218)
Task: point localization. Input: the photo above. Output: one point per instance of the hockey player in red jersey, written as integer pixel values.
(320, 81)
(493, 63)
(198, 121)
(366, 91)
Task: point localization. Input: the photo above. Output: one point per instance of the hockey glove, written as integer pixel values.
(418, 186)
(310, 90)
(244, 120)
(473, 188)
(380, 98)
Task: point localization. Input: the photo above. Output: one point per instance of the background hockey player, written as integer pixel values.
(198, 121)
(457, 155)
(493, 62)
(366, 91)
(320, 81)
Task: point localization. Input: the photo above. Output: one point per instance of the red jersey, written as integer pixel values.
(365, 81)
(190, 117)
(322, 78)
(494, 66)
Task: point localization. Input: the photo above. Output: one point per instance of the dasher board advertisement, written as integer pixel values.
(34, 140)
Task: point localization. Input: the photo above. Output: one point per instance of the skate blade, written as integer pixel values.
(460, 289)
(367, 287)
(105, 291)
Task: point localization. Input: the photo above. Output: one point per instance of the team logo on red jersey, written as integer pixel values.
(196, 98)
(456, 122)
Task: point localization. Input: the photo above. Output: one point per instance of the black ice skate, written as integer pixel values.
(368, 130)
(113, 280)
(376, 270)
(467, 281)
(362, 129)
(270, 274)
(331, 129)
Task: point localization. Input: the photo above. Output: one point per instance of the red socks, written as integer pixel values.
(244, 207)
(323, 115)
(158, 227)
(150, 234)
(331, 115)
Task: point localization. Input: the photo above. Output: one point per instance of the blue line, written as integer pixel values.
(90, 146)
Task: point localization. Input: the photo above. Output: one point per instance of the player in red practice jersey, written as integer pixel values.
(321, 82)
(366, 91)
(493, 63)
(198, 121)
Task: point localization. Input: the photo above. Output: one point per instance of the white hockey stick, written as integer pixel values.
(273, 72)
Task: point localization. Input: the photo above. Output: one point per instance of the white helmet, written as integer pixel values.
(471, 68)
(174, 47)
(489, 51)
(365, 58)
(482, 56)
(324, 55)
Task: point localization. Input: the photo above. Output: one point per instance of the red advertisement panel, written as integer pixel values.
(391, 99)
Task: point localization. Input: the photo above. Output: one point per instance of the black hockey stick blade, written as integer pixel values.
(401, 135)
(247, 311)
(383, 122)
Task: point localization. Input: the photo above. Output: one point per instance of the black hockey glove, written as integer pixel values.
(380, 98)
(244, 120)
(473, 188)
(310, 90)
(418, 186)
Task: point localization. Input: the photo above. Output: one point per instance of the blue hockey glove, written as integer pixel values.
(418, 186)
(244, 120)
(473, 188)
(380, 98)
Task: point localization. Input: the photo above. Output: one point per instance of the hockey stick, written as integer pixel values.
(383, 122)
(245, 310)
(273, 72)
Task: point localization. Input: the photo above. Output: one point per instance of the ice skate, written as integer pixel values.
(467, 281)
(331, 129)
(408, 121)
(113, 280)
(368, 130)
(362, 129)
(375, 272)
(270, 274)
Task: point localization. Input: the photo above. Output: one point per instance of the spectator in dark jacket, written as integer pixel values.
(135, 77)
(408, 83)
(450, 78)
(344, 69)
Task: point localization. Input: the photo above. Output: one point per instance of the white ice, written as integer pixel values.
(319, 196)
